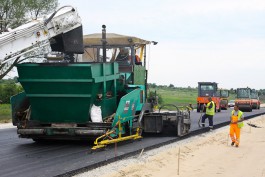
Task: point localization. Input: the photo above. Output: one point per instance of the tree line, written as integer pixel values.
(170, 86)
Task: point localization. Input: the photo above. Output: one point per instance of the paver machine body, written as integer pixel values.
(60, 95)
(205, 90)
(243, 99)
(224, 96)
(255, 99)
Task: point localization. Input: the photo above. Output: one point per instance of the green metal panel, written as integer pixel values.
(141, 96)
(64, 93)
(127, 107)
(139, 75)
(19, 103)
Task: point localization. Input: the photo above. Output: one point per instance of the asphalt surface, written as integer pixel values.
(23, 157)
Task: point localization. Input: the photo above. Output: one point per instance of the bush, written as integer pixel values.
(8, 90)
(152, 95)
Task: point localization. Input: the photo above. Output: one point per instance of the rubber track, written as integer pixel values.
(130, 154)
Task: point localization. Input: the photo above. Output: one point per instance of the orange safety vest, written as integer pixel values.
(137, 59)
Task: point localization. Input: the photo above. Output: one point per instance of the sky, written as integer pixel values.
(219, 41)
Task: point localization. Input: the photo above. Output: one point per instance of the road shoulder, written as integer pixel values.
(206, 155)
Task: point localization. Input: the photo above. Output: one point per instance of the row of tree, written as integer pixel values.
(154, 85)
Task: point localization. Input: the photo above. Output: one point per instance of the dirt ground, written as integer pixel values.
(206, 155)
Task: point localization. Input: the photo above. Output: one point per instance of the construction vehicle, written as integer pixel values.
(206, 90)
(255, 99)
(99, 95)
(224, 96)
(243, 99)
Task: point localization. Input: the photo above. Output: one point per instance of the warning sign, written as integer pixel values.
(126, 108)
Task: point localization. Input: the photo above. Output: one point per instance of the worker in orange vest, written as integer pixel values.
(237, 118)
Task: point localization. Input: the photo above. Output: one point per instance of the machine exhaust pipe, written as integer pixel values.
(104, 42)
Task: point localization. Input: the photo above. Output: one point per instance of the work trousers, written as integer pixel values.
(210, 118)
(234, 133)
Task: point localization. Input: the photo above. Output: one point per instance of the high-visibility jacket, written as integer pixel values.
(239, 116)
(210, 111)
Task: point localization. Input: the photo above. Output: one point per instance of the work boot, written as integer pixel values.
(232, 144)
(237, 145)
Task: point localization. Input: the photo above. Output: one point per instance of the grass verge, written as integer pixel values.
(5, 113)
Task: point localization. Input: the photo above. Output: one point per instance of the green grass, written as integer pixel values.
(180, 96)
(5, 113)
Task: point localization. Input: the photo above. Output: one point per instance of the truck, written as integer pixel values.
(205, 90)
(224, 96)
(94, 90)
(255, 99)
(243, 99)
